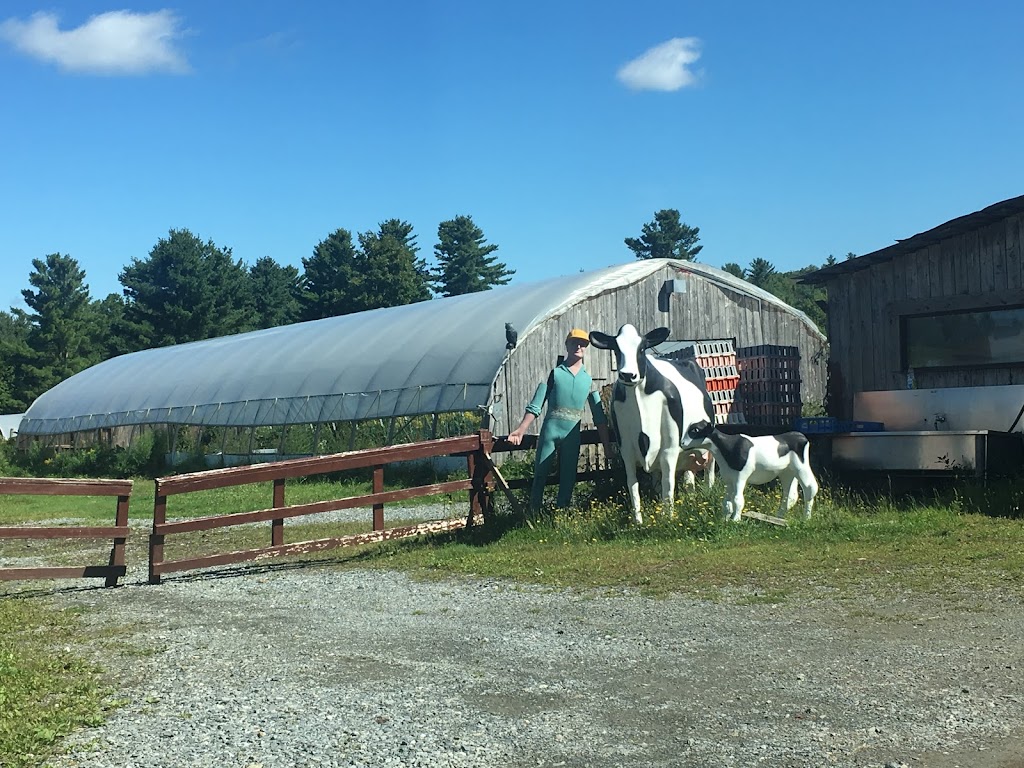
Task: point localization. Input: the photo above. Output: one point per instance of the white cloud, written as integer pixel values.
(664, 67)
(114, 43)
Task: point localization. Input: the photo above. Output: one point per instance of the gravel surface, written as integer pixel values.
(286, 665)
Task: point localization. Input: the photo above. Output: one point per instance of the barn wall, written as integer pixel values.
(704, 310)
(973, 270)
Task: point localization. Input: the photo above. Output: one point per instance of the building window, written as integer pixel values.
(964, 339)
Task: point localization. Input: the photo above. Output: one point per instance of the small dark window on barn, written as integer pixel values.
(964, 339)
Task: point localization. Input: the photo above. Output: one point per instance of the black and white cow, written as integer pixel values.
(654, 403)
(743, 459)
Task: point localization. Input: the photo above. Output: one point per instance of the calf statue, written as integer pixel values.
(743, 459)
(654, 404)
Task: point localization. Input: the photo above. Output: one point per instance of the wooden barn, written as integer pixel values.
(927, 335)
(412, 371)
(785, 353)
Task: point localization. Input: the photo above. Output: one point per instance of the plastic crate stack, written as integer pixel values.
(770, 384)
(718, 360)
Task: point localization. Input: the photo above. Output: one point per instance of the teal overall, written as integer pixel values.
(566, 394)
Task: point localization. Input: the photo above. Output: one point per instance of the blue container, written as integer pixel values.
(818, 425)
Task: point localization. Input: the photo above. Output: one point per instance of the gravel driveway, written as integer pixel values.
(308, 665)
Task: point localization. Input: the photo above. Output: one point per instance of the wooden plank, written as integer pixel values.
(766, 518)
(934, 270)
(231, 476)
(309, 547)
(1014, 251)
(972, 260)
(32, 486)
(988, 260)
(997, 252)
(503, 485)
(63, 532)
(74, 572)
(297, 510)
(947, 249)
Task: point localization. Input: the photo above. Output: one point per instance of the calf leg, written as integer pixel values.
(788, 483)
(809, 486)
(734, 501)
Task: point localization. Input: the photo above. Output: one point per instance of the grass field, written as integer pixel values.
(950, 542)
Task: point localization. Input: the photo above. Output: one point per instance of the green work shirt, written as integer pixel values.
(567, 392)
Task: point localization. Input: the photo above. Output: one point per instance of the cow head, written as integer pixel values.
(629, 347)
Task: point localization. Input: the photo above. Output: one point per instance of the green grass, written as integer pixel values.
(46, 689)
(941, 545)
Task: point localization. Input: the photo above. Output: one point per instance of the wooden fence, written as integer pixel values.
(483, 477)
(476, 448)
(114, 569)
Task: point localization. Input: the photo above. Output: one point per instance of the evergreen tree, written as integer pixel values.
(328, 278)
(60, 323)
(109, 330)
(275, 293)
(187, 290)
(389, 273)
(667, 237)
(465, 264)
(15, 354)
(735, 269)
(759, 272)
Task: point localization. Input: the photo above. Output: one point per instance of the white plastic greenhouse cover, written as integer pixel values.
(436, 356)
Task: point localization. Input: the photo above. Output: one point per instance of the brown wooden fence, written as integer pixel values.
(483, 477)
(476, 448)
(114, 569)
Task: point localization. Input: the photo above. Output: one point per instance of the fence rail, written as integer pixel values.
(118, 533)
(475, 448)
(480, 483)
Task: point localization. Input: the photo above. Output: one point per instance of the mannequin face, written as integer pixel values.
(574, 350)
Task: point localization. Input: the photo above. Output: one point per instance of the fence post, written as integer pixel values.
(277, 524)
(378, 487)
(156, 540)
(480, 473)
(117, 551)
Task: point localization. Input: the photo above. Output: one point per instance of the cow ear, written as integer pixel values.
(601, 340)
(655, 337)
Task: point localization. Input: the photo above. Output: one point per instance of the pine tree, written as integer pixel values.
(465, 264)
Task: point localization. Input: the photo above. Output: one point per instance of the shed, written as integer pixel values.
(942, 309)
(447, 355)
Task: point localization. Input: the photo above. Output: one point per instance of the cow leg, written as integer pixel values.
(633, 488)
(667, 461)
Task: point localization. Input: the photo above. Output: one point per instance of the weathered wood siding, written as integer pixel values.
(704, 310)
(975, 270)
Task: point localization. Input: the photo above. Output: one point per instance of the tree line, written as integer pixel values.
(188, 289)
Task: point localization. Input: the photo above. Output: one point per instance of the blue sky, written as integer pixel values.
(787, 131)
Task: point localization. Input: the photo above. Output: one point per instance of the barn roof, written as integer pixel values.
(958, 226)
(436, 356)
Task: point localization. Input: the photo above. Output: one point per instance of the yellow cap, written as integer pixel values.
(577, 333)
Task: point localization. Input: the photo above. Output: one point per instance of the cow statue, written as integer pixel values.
(743, 459)
(654, 403)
